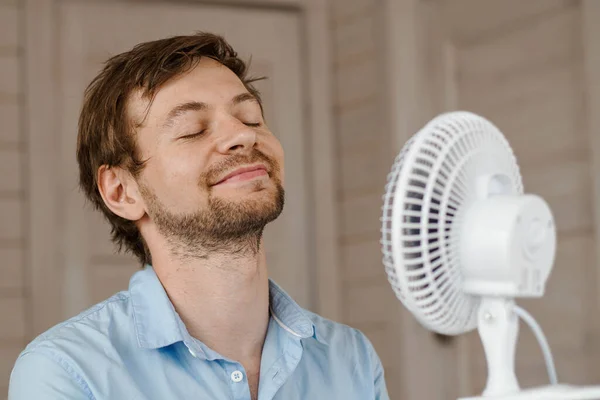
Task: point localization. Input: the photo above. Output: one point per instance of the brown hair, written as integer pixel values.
(106, 133)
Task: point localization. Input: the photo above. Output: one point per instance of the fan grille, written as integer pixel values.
(432, 182)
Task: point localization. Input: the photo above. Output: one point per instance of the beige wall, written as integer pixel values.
(13, 193)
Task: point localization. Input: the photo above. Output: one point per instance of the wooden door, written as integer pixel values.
(519, 64)
(90, 32)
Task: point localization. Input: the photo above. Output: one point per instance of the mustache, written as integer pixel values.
(214, 173)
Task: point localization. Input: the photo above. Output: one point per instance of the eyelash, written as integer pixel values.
(193, 135)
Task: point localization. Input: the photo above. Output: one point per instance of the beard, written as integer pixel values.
(234, 227)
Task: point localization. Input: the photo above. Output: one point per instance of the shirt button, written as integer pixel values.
(237, 376)
(192, 352)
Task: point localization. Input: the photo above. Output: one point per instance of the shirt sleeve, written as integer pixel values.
(381, 392)
(379, 384)
(42, 376)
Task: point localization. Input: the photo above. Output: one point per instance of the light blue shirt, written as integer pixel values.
(135, 346)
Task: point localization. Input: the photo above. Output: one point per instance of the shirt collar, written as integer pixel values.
(157, 324)
(288, 314)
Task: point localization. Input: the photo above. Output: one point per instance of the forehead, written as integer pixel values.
(209, 82)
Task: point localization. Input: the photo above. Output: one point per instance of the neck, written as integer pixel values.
(222, 298)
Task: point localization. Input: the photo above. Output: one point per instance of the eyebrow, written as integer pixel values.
(183, 108)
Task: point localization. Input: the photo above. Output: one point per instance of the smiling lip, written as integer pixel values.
(243, 174)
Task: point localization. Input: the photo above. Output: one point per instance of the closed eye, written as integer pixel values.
(254, 125)
(192, 135)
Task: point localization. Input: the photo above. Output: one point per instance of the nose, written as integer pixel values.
(235, 137)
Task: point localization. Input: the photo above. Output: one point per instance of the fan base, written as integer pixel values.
(552, 392)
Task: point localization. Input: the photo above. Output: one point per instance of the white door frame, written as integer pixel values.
(45, 274)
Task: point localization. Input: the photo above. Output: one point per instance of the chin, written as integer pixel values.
(259, 197)
(254, 195)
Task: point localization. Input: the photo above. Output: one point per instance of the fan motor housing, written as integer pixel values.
(507, 246)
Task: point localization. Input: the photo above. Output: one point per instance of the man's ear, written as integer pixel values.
(120, 193)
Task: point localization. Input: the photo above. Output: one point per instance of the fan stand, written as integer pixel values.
(498, 329)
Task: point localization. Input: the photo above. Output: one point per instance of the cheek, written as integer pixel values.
(276, 152)
(177, 175)
(281, 162)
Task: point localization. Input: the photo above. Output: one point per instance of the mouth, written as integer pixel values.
(244, 174)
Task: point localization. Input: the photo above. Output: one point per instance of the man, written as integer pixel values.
(174, 151)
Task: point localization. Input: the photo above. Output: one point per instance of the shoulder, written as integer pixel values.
(93, 329)
(331, 330)
(347, 346)
(341, 337)
(92, 324)
(43, 374)
(50, 364)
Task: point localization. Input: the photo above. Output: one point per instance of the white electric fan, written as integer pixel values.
(461, 241)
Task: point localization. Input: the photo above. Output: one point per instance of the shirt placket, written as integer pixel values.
(280, 371)
(235, 373)
(238, 380)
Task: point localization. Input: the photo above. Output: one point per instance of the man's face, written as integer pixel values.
(214, 172)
